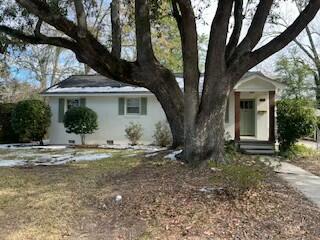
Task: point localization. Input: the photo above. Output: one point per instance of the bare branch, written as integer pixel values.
(186, 21)
(256, 28)
(42, 10)
(238, 21)
(55, 41)
(313, 47)
(218, 38)
(250, 60)
(116, 28)
(81, 18)
(304, 49)
(37, 30)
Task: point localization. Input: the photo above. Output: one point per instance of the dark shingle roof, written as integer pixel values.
(89, 81)
(100, 84)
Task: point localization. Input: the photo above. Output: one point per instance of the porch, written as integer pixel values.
(251, 115)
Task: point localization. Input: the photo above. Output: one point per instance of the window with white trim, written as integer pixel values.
(133, 106)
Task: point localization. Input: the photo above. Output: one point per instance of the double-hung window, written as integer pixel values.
(133, 106)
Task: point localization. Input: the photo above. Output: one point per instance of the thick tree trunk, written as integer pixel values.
(170, 97)
(204, 140)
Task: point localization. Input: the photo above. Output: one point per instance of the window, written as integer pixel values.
(226, 118)
(133, 105)
(73, 103)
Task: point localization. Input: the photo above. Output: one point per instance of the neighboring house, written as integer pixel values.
(250, 110)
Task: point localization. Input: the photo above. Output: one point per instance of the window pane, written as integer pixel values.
(73, 103)
(133, 105)
(227, 112)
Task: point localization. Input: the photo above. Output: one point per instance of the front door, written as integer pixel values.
(247, 118)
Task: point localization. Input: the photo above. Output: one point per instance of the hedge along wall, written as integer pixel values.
(7, 135)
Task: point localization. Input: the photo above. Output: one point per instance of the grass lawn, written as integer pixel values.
(161, 200)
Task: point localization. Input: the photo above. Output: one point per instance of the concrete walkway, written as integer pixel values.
(300, 179)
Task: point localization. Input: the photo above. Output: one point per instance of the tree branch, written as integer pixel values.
(300, 45)
(186, 21)
(218, 38)
(185, 17)
(256, 28)
(313, 48)
(37, 30)
(116, 28)
(42, 10)
(249, 60)
(238, 21)
(143, 32)
(81, 18)
(40, 39)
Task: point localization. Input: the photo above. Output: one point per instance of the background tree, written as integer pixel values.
(46, 64)
(296, 74)
(80, 121)
(31, 119)
(11, 90)
(308, 43)
(200, 126)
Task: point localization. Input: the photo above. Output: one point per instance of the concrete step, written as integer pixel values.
(262, 147)
(259, 151)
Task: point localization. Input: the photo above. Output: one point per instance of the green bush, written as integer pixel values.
(296, 119)
(134, 132)
(7, 134)
(31, 119)
(162, 134)
(80, 121)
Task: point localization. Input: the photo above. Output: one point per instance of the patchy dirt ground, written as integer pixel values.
(160, 200)
(309, 163)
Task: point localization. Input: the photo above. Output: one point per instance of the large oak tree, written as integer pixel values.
(196, 118)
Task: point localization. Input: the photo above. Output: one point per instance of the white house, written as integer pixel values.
(250, 111)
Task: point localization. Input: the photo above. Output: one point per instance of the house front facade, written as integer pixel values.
(250, 113)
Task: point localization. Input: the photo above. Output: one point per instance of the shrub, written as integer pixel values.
(7, 134)
(80, 121)
(134, 132)
(31, 119)
(162, 134)
(296, 119)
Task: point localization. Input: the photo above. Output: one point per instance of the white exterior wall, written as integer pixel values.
(111, 124)
(230, 126)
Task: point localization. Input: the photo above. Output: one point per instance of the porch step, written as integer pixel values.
(257, 147)
(259, 152)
